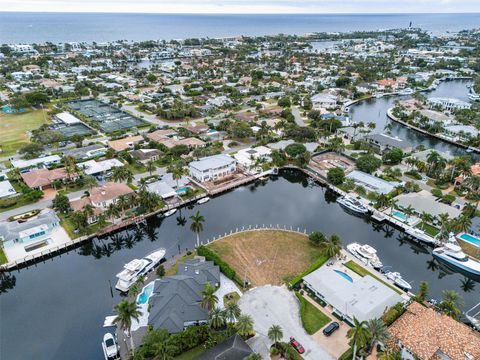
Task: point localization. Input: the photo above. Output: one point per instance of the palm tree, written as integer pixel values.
(216, 318)
(332, 246)
(123, 202)
(232, 312)
(163, 350)
(382, 201)
(473, 183)
(358, 335)
(70, 165)
(209, 299)
(177, 172)
(462, 224)
(113, 211)
(244, 325)
(426, 218)
(392, 203)
(275, 334)
(88, 211)
(409, 210)
(422, 291)
(151, 166)
(126, 312)
(444, 221)
(254, 356)
(390, 354)
(377, 331)
(451, 303)
(197, 225)
(89, 182)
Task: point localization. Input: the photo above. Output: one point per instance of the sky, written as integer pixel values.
(244, 6)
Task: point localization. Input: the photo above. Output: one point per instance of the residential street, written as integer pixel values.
(298, 118)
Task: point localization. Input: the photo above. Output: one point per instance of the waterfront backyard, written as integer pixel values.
(268, 256)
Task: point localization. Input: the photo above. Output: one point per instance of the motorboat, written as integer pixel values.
(366, 254)
(170, 212)
(136, 268)
(421, 235)
(398, 280)
(452, 254)
(109, 346)
(406, 91)
(203, 200)
(353, 204)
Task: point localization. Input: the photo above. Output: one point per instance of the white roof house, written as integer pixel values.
(424, 201)
(247, 157)
(162, 189)
(92, 167)
(46, 160)
(448, 103)
(372, 183)
(363, 298)
(6, 189)
(67, 118)
(212, 167)
(324, 100)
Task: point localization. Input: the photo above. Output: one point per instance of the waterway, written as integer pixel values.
(375, 110)
(55, 309)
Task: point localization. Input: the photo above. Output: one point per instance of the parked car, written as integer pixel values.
(331, 328)
(296, 345)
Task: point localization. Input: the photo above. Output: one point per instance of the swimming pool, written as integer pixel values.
(182, 190)
(475, 241)
(145, 294)
(400, 216)
(344, 275)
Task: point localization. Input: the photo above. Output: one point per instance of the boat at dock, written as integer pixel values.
(170, 212)
(406, 91)
(398, 280)
(366, 254)
(110, 348)
(203, 200)
(353, 204)
(452, 254)
(136, 268)
(421, 235)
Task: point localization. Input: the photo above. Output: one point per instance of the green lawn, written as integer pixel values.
(360, 270)
(191, 354)
(69, 227)
(14, 128)
(312, 318)
(429, 229)
(3, 258)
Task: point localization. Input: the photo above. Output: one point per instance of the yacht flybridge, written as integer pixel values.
(453, 254)
(353, 204)
(137, 267)
(365, 253)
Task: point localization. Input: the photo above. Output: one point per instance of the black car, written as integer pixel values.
(331, 328)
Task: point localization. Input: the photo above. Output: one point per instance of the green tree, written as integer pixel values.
(358, 335)
(332, 246)
(209, 299)
(336, 176)
(393, 156)
(197, 225)
(295, 150)
(160, 271)
(232, 312)
(275, 334)
(244, 325)
(317, 238)
(422, 291)
(377, 331)
(216, 318)
(61, 203)
(451, 303)
(127, 312)
(368, 163)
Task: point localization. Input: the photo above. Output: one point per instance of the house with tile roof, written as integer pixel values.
(44, 178)
(424, 333)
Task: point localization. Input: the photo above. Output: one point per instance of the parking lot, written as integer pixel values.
(269, 305)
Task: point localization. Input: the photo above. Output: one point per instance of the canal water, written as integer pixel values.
(55, 309)
(375, 110)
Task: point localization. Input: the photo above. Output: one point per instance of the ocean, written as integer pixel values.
(101, 27)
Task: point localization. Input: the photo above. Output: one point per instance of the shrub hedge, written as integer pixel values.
(224, 267)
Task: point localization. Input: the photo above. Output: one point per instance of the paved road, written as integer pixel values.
(270, 305)
(298, 118)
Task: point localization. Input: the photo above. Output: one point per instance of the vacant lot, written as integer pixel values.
(14, 128)
(267, 256)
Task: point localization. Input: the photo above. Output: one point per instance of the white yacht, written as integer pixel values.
(137, 267)
(109, 346)
(452, 254)
(365, 253)
(421, 235)
(353, 204)
(170, 212)
(398, 280)
(203, 200)
(406, 91)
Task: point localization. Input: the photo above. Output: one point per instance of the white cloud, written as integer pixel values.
(243, 6)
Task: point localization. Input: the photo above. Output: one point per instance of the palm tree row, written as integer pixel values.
(365, 334)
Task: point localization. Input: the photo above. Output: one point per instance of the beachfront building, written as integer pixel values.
(372, 183)
(448, 104)
(362, 298)
(423, 333)
(211, 168)
(29, 233)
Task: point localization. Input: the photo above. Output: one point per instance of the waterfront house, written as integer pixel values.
(384, 143)
(248, 157)
(424, 201)
(126, 143)
(6, 189)
(372, 183)
(37, 162)
(363, 298)
(213, 167)
(448, 104)
(324, 100)
(423, 333)
(44, 178)
(30, 233)
(162, 189)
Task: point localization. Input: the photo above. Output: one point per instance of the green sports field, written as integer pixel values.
(13, 130)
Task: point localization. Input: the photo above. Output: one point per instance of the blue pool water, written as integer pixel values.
(400, 215)
(470, 239)
(7, 109)
(145, 295)
(344, 275)
(182, 190)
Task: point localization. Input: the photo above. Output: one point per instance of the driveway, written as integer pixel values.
(298, 118)
(269, 305)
